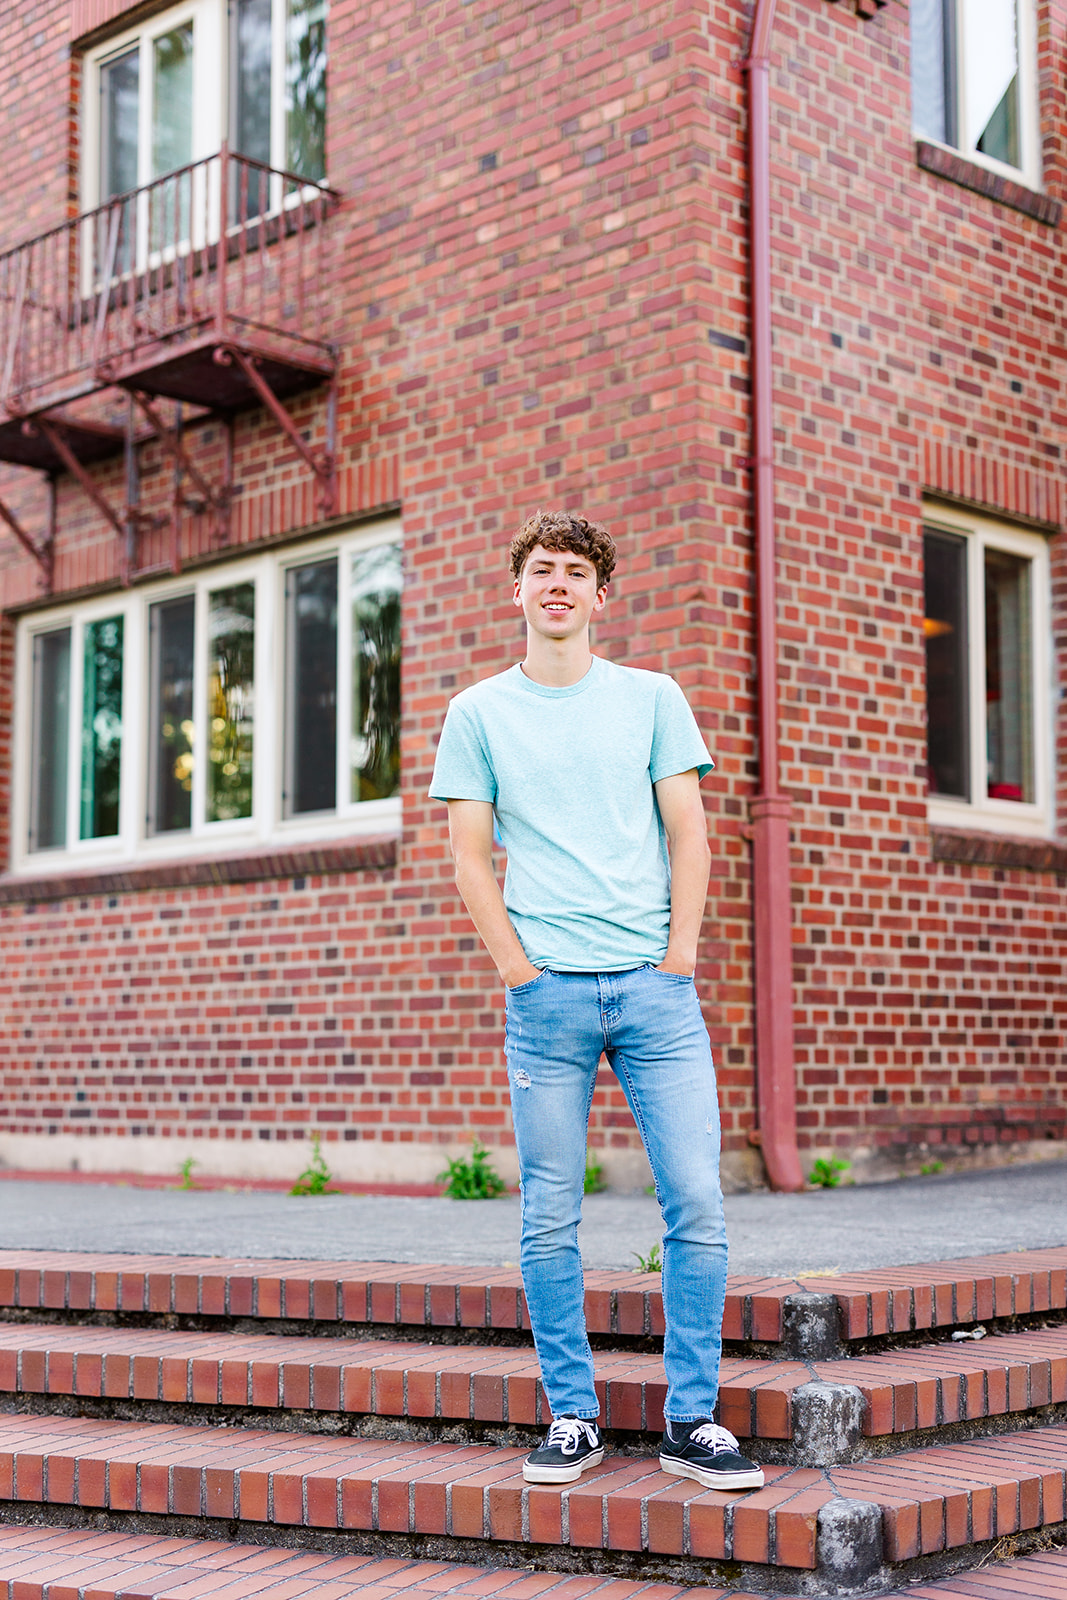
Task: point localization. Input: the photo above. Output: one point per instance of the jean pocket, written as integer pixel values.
(671, 977)
(524, 988)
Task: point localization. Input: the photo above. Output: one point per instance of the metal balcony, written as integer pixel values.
(211, 287)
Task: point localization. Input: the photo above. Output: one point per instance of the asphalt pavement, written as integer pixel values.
(845, 1229)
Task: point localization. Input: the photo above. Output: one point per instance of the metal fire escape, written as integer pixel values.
(197, 296)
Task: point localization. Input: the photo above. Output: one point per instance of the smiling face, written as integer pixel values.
(557, 591)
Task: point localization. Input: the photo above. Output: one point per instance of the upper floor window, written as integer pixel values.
(988, 702)
(166, 94)
(973, 79)
(255, 701)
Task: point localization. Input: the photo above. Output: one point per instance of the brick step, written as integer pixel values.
(811, 1317)
(66, 1563)
(843, 1525)
(828, 1411)
(60, 1563)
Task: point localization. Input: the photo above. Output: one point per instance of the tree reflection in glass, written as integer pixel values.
(231, 696)
(375, 741)
(101, 729)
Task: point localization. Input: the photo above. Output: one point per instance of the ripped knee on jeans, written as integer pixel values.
(521, 1078)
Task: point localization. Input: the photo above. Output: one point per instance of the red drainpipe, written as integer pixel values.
(776, 1074)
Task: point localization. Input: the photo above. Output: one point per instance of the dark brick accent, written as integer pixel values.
(969, 175)
(991, 850)
(314, 860)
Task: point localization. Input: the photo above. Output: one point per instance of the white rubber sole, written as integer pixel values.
(562, 1474)
(752, 1479)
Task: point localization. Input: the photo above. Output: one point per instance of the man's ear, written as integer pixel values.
(601, 598)
(516, 597)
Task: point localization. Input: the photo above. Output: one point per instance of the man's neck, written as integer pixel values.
(556, 663)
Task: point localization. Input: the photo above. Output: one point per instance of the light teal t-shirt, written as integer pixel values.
(570, 774)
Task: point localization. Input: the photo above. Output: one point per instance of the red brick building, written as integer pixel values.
(453, 262)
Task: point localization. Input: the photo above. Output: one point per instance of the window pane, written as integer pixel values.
(1009, 707)
(51, 726)
(991, 78)
(231, 650)
(252, 89)
(932, 95)
(170, 778)
(101, 729)
(375, 742)
(172, 134)
(946, 664)
(311, 688)
(119, 99)
(305, 88)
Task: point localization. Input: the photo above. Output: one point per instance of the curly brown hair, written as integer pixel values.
(562, 530)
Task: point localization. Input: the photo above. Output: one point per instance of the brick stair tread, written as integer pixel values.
(932, 1500)
(881, 1301)
(57, 1563)
(49, 1563)
(904, 1389)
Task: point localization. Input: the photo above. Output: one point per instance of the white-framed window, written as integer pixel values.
(164, 94)
(253, 701)
(974, 81)
(988, 674)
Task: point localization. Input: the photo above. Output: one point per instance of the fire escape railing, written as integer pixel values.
(223, 248)
(211, 287)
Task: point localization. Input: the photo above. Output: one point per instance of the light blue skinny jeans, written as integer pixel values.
(649, 1025)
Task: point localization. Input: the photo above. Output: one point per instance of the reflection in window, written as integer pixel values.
(252, 87)
(170, 778)
(119, 117)
(172, 134)
(51, 727)
(945, 627)
(101, 729)
(1008, 675)
(231, 659)
(311, 688)
(375, 739)
(991, 75)
(305, 88)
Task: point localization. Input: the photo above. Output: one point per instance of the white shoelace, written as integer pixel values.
(567, 1432)
(716, 1439)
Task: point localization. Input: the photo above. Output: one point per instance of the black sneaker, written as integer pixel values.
(572, 1445)
(708, 1453)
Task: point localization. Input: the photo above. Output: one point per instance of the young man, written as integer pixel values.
(590, 772)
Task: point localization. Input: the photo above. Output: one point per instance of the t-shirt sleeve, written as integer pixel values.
(677, 743)
(462, 770)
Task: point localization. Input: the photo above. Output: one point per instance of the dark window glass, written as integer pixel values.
(375, 738)
(251, 101)
(51, 727)
(311, 688)
(944, 625)
(1008, 678)
(101, 729)
(170, 776)
(231, 696)
(305, 88)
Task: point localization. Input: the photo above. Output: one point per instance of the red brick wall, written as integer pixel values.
(566, 324)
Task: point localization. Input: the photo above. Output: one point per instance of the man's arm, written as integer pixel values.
(682, 810)
(470, 831)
